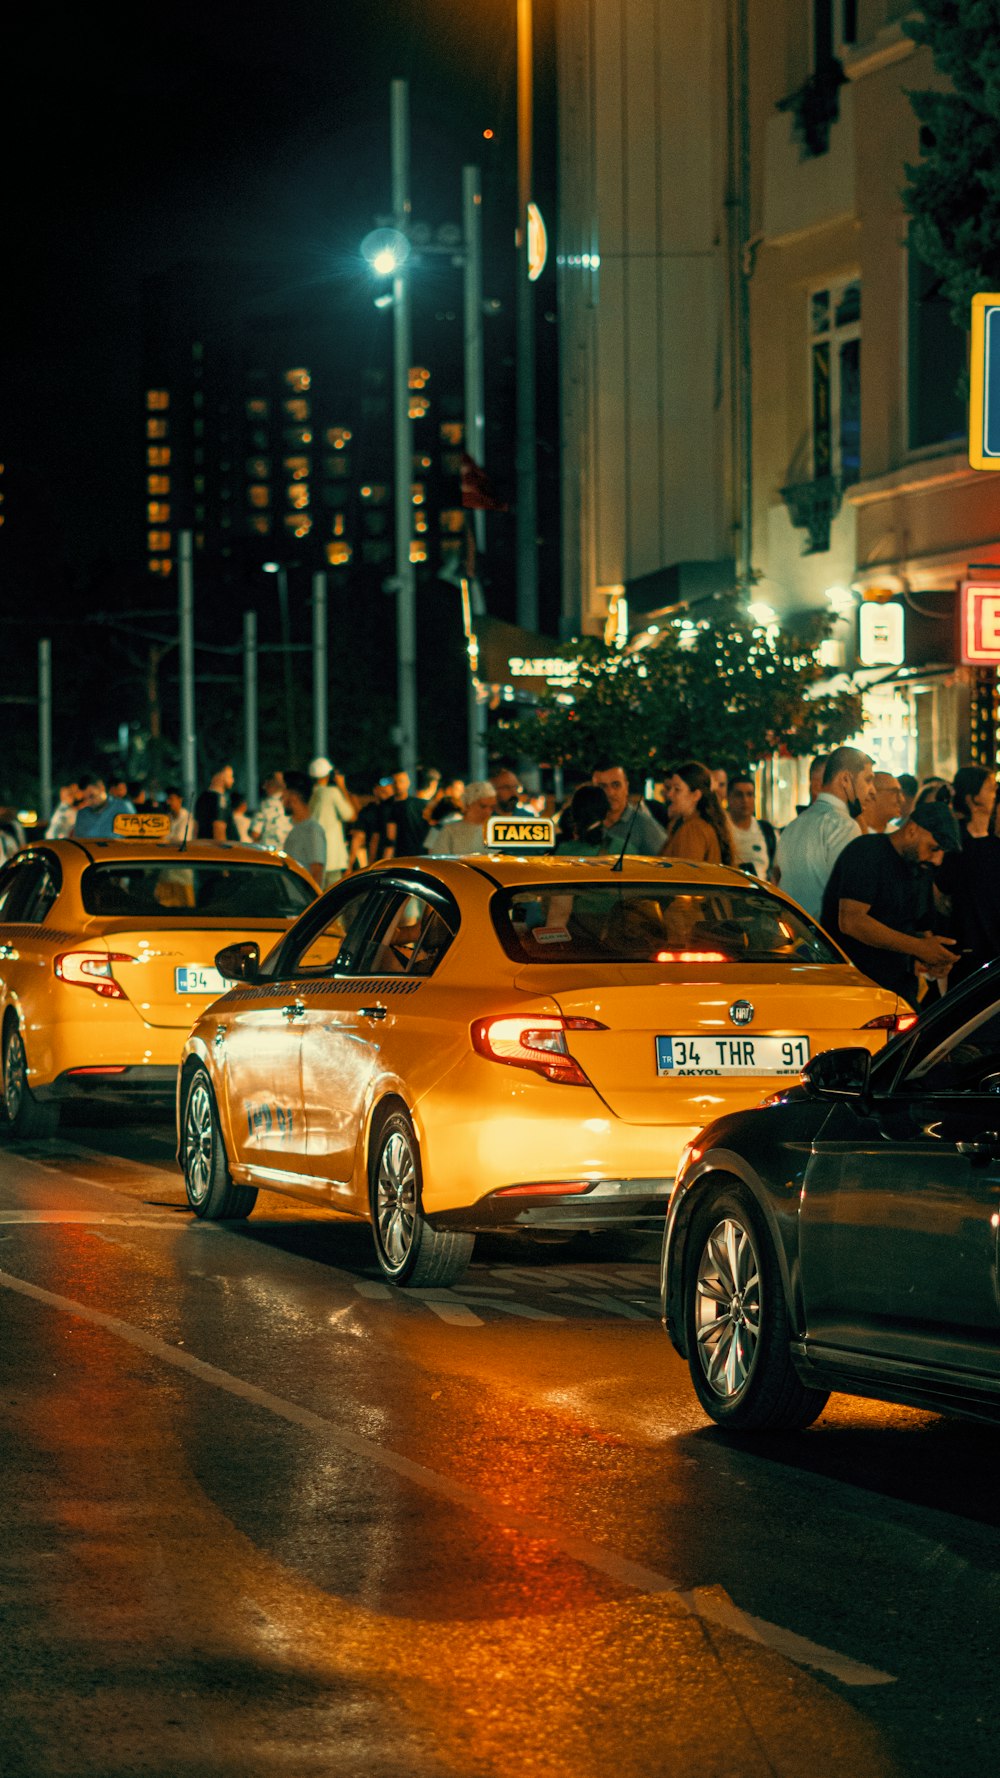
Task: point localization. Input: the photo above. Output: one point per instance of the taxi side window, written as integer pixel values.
(410, 940)
(41, 892)
(8, 886)
(328, 949)
(28, 887)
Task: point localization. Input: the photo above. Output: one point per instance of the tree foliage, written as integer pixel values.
(722, 693)
(953, 192)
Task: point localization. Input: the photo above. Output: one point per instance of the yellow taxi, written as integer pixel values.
(106, 958)
(451, 1045)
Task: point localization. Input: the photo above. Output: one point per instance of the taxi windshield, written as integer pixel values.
(607, 922)
(151, 888)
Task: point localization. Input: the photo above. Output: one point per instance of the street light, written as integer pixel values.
(281, 571)
(386, 250)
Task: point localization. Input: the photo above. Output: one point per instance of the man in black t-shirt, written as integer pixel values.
(213, 810)
(405, 826)
(879, 904)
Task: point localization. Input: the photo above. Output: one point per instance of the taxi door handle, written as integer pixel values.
(294, 1011)
(373, 1012)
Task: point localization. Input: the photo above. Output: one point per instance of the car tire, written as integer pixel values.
(25, 1115)
(736, 1321)
(409, 1251)
(211, 1192)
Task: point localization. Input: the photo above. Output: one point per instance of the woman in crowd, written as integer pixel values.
(698, 827)
(580, 828)
(971, 878)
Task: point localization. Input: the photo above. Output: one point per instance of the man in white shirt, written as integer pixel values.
(64, 815)
(331, 805)
(271, 826)
(181, 819)
(811, 844)
(459, 839)
(749, 845)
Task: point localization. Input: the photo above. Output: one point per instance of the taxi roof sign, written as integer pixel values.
(141, 827)
(984, 383)
(520, 833)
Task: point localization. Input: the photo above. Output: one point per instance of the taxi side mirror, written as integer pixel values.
(839, 1074)
(239, 963)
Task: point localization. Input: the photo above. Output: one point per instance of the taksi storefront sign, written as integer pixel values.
(980, 614)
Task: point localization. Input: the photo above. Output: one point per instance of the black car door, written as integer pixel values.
(900, 1213)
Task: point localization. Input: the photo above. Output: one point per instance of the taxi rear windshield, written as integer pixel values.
(610, 922)
(215, 891)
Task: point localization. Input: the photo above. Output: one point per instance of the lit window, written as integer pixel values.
(157, 400)
(157, 484)
(158, 512)
(376, 492)
(258, 468)
(297, 409)
(260, 523)
(297, 435)
(160, 564)
(421, 462)
(452, 520)
(451, 432)
(418, 552)
(338, 524)
(418, 493)
(298, 495)
(338, 554)
(299, 380)
(298, 523)
(158, 456)
(420, 523)
(158, 540)
(259, 494)
(835, 380)
(339, 436)
(297, 468)
(419, 407)
(157, 428)
(419, 377)
(257, 408)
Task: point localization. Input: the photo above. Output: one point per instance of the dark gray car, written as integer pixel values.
(846, 1236)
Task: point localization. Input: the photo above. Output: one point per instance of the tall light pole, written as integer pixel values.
(406, 589)
(251, 764)
(321, 738)
(280, 572)
(185, 622)
(45, 728)
(527, 483)
(475, 440)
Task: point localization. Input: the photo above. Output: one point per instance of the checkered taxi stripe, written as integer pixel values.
(307, 990)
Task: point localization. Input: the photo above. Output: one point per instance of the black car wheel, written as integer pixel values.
(27, 1116)
(409, 1251)
(210, 1189)
(736, 1321)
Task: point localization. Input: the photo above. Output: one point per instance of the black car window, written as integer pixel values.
(9, 878)
(410, 939)
(43, 891)
(27, 876)
(324, 946)
(965, 1059)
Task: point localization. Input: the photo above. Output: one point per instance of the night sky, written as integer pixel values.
(137, 139)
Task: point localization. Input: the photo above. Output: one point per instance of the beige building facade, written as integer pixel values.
(732, 231)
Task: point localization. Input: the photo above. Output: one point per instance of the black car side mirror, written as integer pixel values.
(839, 1074)
(239, 963)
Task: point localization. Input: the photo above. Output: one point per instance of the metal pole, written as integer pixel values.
(185, 584)
(251, 763)
(406, 593)
(527, 486)
(475, 437)
(321, 739)
(745, 575)
(45, 729)
(286, 662)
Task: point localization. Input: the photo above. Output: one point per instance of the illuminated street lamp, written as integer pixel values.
(386, 250)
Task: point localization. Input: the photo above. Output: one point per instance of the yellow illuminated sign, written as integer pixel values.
(522, 832)
(141, 827)
(984, 383)
(538, 243)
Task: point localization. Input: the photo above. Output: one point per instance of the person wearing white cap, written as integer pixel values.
(331, 805)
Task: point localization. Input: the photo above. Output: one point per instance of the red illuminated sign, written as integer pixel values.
(980, 623)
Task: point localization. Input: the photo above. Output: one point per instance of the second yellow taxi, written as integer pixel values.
(447, 1046)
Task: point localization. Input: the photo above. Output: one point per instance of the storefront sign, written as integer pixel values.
(984, 384)
(552, 669)
(882, 635)
(980, 610)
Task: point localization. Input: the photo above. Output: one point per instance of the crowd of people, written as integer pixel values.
(905, 877)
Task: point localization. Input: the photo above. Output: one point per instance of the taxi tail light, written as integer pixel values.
(547, 1188)
(537, 1043)
(893, 1022)
(92, 969)
(691, 957)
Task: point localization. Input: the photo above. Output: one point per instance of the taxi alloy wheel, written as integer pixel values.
(25, 1115)
(736, 1321)
(211, 1192)
(409, 1251)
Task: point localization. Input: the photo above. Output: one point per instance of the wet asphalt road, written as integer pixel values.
(263, 1514)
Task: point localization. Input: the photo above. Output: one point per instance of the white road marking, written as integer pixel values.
(523, 1311)
(611, 1305)
(367, 1287)
(620, 1569)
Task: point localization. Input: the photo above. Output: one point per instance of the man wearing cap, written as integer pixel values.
(331, 805)
(879, 904)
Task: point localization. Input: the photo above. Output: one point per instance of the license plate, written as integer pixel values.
(678, 1056)
(195, 979)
